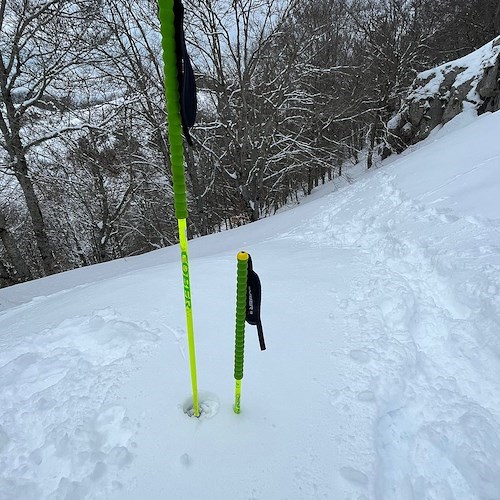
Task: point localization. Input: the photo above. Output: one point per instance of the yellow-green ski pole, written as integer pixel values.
(241, 304)
(166, 15)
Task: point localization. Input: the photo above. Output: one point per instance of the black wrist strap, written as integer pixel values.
(185, 74)
(262, 342)
(254, 295)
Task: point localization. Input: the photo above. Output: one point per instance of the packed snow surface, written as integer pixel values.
(381, 379)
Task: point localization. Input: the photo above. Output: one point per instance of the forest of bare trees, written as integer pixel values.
(289, 92)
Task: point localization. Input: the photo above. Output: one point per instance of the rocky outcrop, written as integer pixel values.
(440, 94)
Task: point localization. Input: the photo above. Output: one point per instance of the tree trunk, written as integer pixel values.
(255, 210)
(496, 20)
(309, 181)
(198, 189)
(17, 154)
(22, 270)
(5, 278)
(42, 239)
(371, 146)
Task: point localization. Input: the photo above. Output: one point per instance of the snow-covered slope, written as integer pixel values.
(381, 313)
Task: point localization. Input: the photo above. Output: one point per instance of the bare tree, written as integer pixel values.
(260, 126)
(22, 271)
(44, 47)
(392, 38)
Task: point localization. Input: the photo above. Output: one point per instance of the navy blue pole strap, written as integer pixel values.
(254, 296)
(185, 74)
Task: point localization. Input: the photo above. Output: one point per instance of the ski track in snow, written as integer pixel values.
(423, 329)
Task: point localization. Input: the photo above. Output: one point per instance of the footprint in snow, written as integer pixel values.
(360, 355)
(185, 460)
(365, 396)
(354, 476)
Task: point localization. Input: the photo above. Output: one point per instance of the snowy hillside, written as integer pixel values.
(381, 313)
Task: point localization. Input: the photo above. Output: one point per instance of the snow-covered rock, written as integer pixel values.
(439, 94)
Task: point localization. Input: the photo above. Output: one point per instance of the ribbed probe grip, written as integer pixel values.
(166, 15)
(241, 301)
